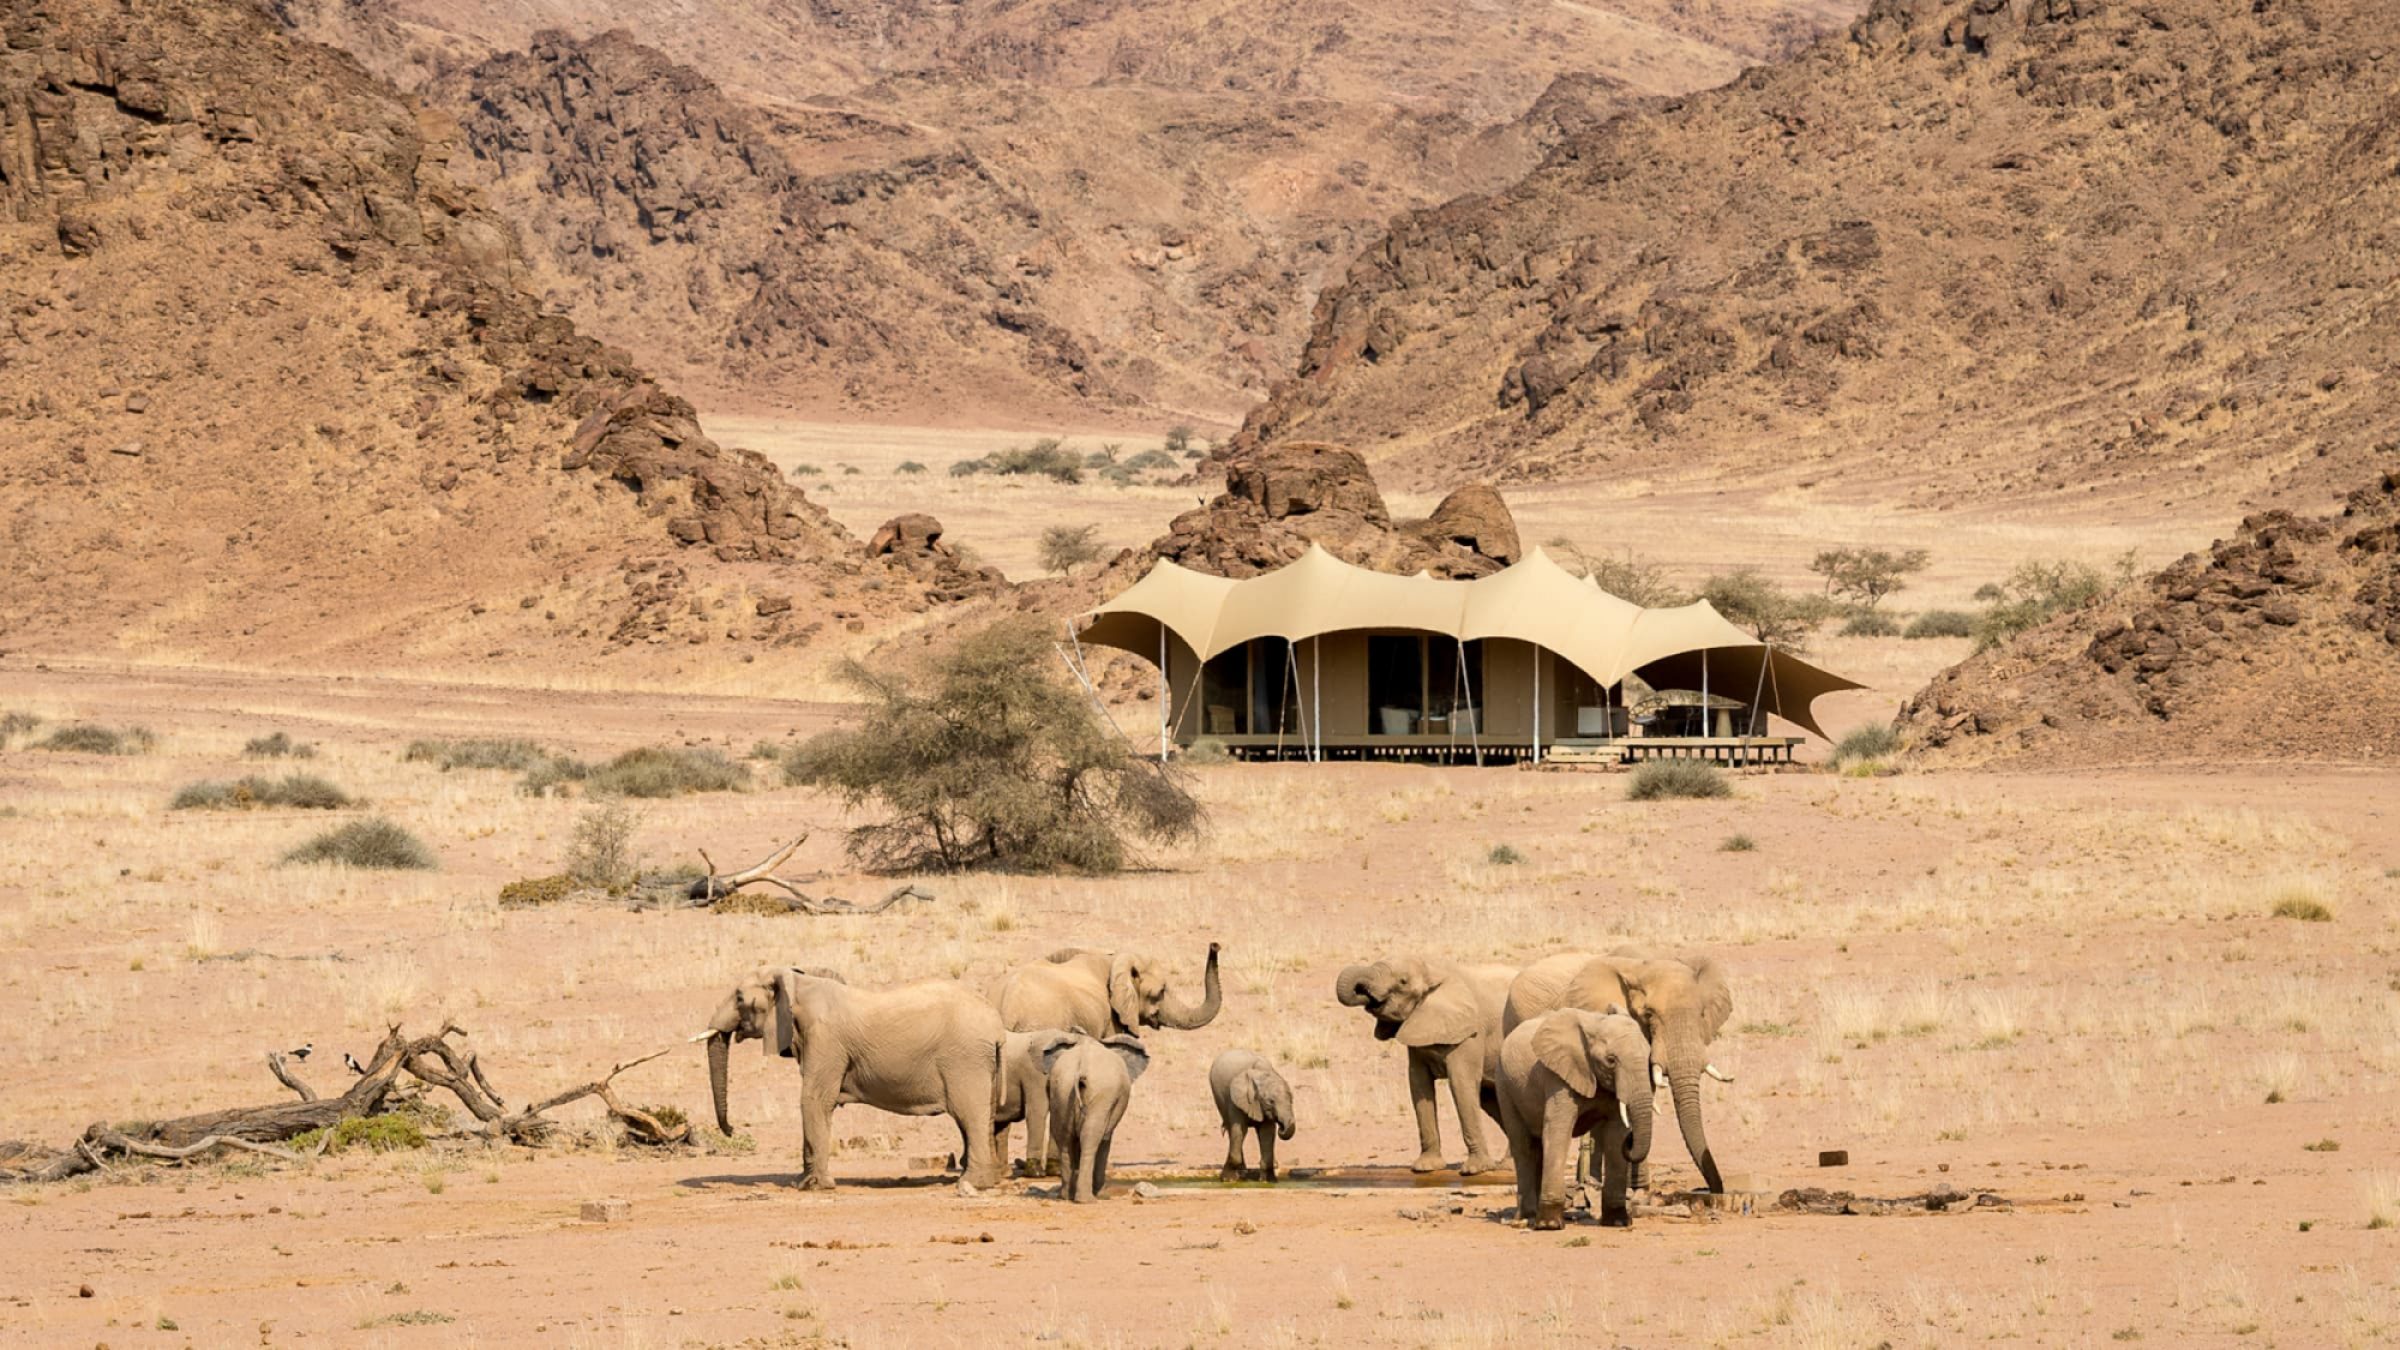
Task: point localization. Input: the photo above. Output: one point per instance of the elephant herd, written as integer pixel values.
(1574, 1044)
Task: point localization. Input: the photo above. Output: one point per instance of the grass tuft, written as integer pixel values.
(390, 1132)
(1738, 843)
(15, 724)
(372, 843)
(1877, 740)
(1665, 778)
(535, 892)
(511, 754)
(305, 792)
(656, 771)
(84, 738)
(2301, 902)
(1503, 855)
(1940, 623)
(277, 746)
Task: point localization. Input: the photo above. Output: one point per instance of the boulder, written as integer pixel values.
(912, 533)
(1473, 518)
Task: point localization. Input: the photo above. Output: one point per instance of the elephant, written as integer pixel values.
(918, 1050)
(1448, 1015)
(1099, 994)
(1564, 1074)
(1681, 1002)
(1250, 1095)
(1091, 1082)
(1540, 987)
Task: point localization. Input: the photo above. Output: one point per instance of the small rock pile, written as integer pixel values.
(1281, 498)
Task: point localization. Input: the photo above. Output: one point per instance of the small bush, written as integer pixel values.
(804, 469)
(15, 724)
(1503, 856)
(909, 467)
(1876, 740)
(1149, 460)
(372, 843)
(657, 771)
(600, 854)
(1665, 778)
(2033, 593)
(1738, 843)
(966, 468)
(1940, 623)
(306, 792)
(514, 755)
(1206, 750)
(551, 773)
(83, 738)
(277, 746)
(1872, 623)
(2324, 1146)
(2302, 904)
(1067, 547)
(390, 1132)
(850, 471)
(535, 892)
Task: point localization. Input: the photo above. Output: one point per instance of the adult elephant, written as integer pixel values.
(914, 1050)
(1100, 994)
(1682, 1003)
(1448, 1015)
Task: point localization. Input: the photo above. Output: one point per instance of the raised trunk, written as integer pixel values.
(1185, 1017)
(1351, 986)
(720, 1048)
(1633, 1089)
(1684, 1081)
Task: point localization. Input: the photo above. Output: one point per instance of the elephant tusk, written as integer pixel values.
(695, 1040)
(1626, 1116)
(1658, 1078)
(1719, 1074)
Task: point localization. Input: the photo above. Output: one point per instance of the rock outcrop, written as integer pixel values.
(1280, 500)
(2280, 642)
(913, 544)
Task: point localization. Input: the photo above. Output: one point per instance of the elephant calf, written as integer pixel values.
(1250, 1096)
(1090, 1084)
(1562, 1075)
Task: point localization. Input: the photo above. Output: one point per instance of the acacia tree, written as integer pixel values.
(1067, 547)
(986, 758)
(1867, 575)
(1747, 597)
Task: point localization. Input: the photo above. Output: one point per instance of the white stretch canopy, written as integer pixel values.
(1534, 601)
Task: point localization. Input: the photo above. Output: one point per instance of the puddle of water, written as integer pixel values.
(1336, 1179)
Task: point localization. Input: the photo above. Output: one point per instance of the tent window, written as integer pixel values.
(1271, 698)
(1395, 684)
(1225, 693)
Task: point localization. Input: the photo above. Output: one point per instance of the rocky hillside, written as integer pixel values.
(2280, 642)
(1032, 212)
(273, 391)
(1968, 249)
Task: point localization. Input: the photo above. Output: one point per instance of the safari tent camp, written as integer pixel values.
(1321, 659)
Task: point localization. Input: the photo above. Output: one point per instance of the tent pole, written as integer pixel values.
(1756, 711)
(1316, 691)
(1707, 722)
(1537, 703)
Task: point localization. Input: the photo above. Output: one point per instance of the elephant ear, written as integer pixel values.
(1049, 1045)
(1716, 996)
(1245, 1096)
(1560, 1045)
(1130, 1049)
(1447, 1016)
(1124, 991)
(786, 1042)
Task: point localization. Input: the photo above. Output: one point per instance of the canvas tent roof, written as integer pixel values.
(1534, 601)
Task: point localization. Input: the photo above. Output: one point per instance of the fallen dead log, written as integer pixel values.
(717, 888)
(445, 1060)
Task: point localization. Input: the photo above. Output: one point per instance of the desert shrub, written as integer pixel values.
(804, 469)
(1103, 458)
(985, 758)
(1876, 740)
(1872, 623)
(966, 468)
(2035, 592)
(1179, 442)
(513, 755)
(535, 892)
(1625, 576)
(659, 771)
(1067, 547)
(1738, 843)
(1940, 623)
(15, 724)
(552, 772)
(390, 1132)
(1745, 596)
(88, 739)
(1866, 575)
(1503, 855)
(1047, 457)
(1664, 778)
(600, 852)
(1206, 750)
(910, 467)
(849, 470)
(372, 843)
(2301, 902)
(304, 791)
(1149, 460)
(277, 746)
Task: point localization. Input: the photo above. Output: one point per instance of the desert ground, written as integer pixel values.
(2068, 992)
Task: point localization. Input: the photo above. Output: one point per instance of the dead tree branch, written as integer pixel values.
(283, 1075)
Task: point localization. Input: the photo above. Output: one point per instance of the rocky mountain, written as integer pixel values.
(2074, 250)
(273, 389)
(1024, 211)
(2280, 642)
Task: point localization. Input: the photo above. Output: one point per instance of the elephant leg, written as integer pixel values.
(1099, 1182)
(1266, 1153)
(1558, 1152)
(1420, 1096)
(816, 1130)
(1524, 1150)
(1234, 1132)
(1039, 1148)
(980, 1164)
(1466, 1086)
(1609, 1144)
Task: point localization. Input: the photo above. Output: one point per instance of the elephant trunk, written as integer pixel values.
(1351, 986)
(1683, 1080)
(720, 1048)
(1633, 1092)
(1185, 1017)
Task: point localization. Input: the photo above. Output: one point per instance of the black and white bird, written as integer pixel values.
(350, 1062)
(303, 1052)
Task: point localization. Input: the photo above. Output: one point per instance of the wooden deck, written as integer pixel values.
(1729, 750)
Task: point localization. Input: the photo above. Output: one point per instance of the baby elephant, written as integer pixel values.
(1566, 1074)
(1090, 1083)
(1250, 1096)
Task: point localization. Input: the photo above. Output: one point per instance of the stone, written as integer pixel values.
(914, 532)
(130, 449)
(771, 603)
(1143, 1190)
(137, 403)
(607, 1211)
(1476, 519)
